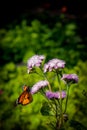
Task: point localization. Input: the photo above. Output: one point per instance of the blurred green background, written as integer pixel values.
(53, 32)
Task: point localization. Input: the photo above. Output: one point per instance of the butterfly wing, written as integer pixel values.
(28, 99)
(25, 98)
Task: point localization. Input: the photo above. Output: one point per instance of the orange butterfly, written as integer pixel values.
(25, 97)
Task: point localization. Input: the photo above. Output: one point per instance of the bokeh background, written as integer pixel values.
(56, 29)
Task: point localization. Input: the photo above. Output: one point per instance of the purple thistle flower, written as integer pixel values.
(73, 78)
(54, 64)
(34, 61)
(39, 85)
(56, 95)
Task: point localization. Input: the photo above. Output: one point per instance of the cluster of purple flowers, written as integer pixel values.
(54, 64)
(73, 78)
(49, 94)
(34, 61)
(56, 95)
(39, 85)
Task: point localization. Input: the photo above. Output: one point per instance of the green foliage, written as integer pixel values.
(77, 104)
(45, 109)
(16, 46)
(23, 40)
(29, 116)
(76, 125)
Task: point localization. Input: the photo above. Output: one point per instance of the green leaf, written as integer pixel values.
(77, 125)
(45, 109)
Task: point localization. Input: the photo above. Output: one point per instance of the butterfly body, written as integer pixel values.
(25, 97)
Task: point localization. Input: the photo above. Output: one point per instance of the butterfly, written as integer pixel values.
(25, 97)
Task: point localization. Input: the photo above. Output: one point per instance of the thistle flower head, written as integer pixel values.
(54, 64)
(56, 95)
(38, 86)
(70, 78)
(34, 61)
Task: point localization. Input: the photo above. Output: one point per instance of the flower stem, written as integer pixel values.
(60, 89)
(67, 98)
(61, 111)
(49, 86)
